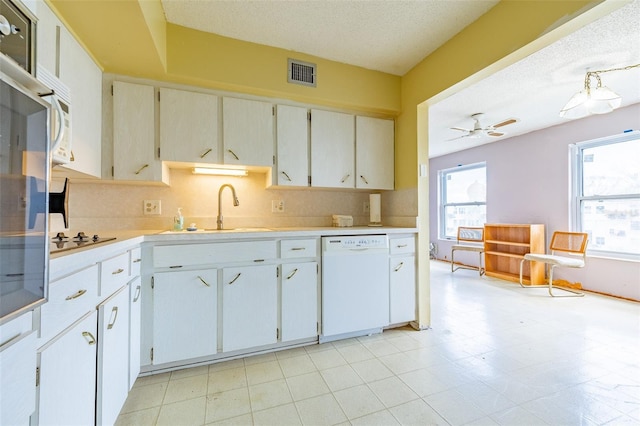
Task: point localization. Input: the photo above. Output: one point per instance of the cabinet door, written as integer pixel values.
(135, 303)
(248, 132)
(374, 153)
(188, 126)
(17, 379)
(299, 301)
(113, 356)
(249, 307)
(133, 132)
(332, 149)
(48, 26)
(184, 315)
(292, 132)
(68, 375)
(402, 289)
(84, 79)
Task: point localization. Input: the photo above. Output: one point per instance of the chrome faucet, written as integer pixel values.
(235, 202)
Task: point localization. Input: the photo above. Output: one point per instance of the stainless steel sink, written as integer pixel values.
(214, 231)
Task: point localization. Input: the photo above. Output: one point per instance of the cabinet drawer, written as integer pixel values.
(114, 273)
(69, 299)
(298, 248)
(214, 253)
(135, 261)
(402, 245)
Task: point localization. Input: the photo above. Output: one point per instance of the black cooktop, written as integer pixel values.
(61, 242)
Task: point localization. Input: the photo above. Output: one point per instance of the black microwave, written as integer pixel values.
(17, 34)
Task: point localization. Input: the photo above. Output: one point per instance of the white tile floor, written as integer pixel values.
(496, 354)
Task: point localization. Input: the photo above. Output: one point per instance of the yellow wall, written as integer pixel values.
(504, 29)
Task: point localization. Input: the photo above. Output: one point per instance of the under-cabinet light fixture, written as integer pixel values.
(219, 172)
(599, 100)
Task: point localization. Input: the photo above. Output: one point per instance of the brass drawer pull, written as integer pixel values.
(76, 294)
(286, 175)
(397, 268)
(203, 281)
(295, 271)
(114, 315)
(137, 260)
(298, 248)
(141, 169)
(234, 154)
(89, 338)
(137, 295)
(401, 245)
(117, 271)
(235, 278)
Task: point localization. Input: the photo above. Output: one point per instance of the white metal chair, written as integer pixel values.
(573, 246)
(469, 239)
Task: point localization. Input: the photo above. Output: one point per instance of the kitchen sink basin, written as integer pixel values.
(214, 231)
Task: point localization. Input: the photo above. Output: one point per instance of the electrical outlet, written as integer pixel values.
(365, 207)
(277, 206)
(152, 207)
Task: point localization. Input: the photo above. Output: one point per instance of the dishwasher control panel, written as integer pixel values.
(356, 242)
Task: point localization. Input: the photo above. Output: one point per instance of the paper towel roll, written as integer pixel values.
(374, 210)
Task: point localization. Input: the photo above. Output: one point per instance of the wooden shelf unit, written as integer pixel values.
(506, 244)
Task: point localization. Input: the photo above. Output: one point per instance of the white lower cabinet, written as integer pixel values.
(135, 304)
(184, 315)
(299, 310)
(402, 289)
(17, 379)
(67, 382)
(113, 356)
(249, 307)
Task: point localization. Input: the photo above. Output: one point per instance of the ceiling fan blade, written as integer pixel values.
(461, 129)
(497, 134)
(505, 122)
(459, 137)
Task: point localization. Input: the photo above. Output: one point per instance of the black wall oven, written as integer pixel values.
(24, 193)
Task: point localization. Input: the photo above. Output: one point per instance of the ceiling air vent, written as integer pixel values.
(302, 73)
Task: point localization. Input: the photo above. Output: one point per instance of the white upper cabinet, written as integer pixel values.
(332, 149)
(134, 133)
(68, 61)
(248, 132)
(374, 153)
(188, 126)
(292, 132)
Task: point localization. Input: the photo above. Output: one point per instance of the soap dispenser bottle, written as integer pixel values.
(178, 220)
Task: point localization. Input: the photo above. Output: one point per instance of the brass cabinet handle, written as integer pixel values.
(204, 282)
(205, 153)
(76, 295)
(235, 278)
(286, 175)
(137, 296)
(401, 245)
(234, 154)
(114, 315)
(364, 179)
(89, 338)
(295, 271)
(141, 169)
(397, 268)
(298, 248)
(117, 271)
(344, 179)
(137, 260)
(73, 157)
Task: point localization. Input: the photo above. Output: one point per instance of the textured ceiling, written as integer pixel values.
(536, 88)
(388, 36)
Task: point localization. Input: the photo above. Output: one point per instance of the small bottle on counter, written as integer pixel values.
(178, 220)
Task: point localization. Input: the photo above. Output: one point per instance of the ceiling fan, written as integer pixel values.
(480, 130)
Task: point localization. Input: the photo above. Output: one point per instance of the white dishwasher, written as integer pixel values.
(355, 286)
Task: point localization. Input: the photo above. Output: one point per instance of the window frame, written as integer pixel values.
(576, 196)
(442, 205)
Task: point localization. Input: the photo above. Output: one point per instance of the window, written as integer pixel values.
(463, 198)
(606, 194)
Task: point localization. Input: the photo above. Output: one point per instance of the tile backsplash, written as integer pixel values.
(95, 206)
